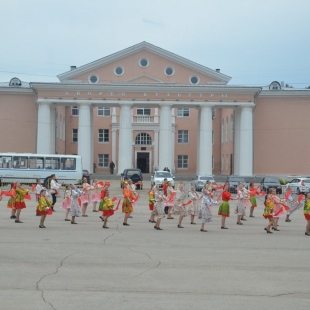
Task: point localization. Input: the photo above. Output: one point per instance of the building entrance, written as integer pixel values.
(143, 162)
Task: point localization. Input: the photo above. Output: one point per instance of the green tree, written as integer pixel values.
(288, 86)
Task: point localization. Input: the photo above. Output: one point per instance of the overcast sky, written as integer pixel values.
(253, 41)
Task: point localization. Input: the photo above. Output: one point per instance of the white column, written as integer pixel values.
(53, 130)
(172, 169)
(205, 139)
(114, 132)
(125, 137)
(198, 143)
(156, 164)
(246, 141)
(237, 142)
(165, 130)
(84, 134)
(92, 139)
(44, 128)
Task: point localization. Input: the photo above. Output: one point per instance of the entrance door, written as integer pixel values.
(143, 162)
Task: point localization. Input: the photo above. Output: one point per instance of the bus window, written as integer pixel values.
(20, 162)
(68, 163)
(36, 162)
(52, 163)
(5, 161)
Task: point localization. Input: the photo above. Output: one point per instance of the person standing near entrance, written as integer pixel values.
(112, 166)
(54, 190)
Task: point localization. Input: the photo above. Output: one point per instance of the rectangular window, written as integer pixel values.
(52, 163)
(183, 161)
(226, 161)
(74, 135)
(212, 162)
(36, 163)
(182, 136)
(227, 129)
(212, 137)
(183, 112)
(222, 133)
(144, 111)
(103, 160)
(232, 128)
(20, 162)
(103, 135)
(68, 163)
(6, 162)
(103, 111)
(75, 111)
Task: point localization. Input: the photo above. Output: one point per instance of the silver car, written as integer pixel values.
(299, 185)
(159, 176)
(200, 181)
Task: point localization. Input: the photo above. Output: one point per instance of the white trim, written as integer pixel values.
(196, 76)
(117, 73)
(144, 58)
(145, 75)
(173, 71)
(92, 74)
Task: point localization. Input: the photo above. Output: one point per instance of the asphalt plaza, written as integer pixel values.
(87, 267)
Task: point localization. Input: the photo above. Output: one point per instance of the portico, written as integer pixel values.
(162, 123)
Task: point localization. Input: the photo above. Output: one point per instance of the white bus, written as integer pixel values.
(27, 167)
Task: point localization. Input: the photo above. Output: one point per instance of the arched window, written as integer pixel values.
(143, 138)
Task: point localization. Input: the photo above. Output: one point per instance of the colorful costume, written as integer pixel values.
(67, 200)
(292, 205)
(20, 194)
(95, 197)
(127, 202)
(85, 196)
(43, 207)
(170, 190)
(243, 202)
(253, 197)
(11, 202)
(75, 209)
(224, 209)
(205, 213)
(151, 200)
(106, 206)
(194, 206)
(159, 204)
(307, 210)
(277, 207)
(268, 211)
(178, 201)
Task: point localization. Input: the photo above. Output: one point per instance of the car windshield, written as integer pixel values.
(163, 174)
(132, 172)
(236, 180)
(205, 178)
(271, 180)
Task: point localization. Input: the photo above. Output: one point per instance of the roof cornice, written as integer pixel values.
(130, 87)
(285, 93)
(15, 90)
(148, 47)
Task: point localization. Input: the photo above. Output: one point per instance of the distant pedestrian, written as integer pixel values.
(112, 166)
(43, 208)
(195, 205)
(75, 210)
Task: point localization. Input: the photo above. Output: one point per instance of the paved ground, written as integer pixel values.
(86, 267)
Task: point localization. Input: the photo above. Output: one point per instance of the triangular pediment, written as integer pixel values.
(158, 60)
(143, 78)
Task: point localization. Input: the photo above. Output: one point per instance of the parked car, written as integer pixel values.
(233, 182)
(159, 176)
(200, 181)
(135, 175)
(86, 175)
(299, 185)
(271, 182)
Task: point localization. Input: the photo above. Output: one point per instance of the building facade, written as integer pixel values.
(147, 108)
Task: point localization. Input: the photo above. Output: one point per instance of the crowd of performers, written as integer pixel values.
(163, 201)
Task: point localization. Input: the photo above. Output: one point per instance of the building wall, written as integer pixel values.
(281, 136)
(18, 123)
